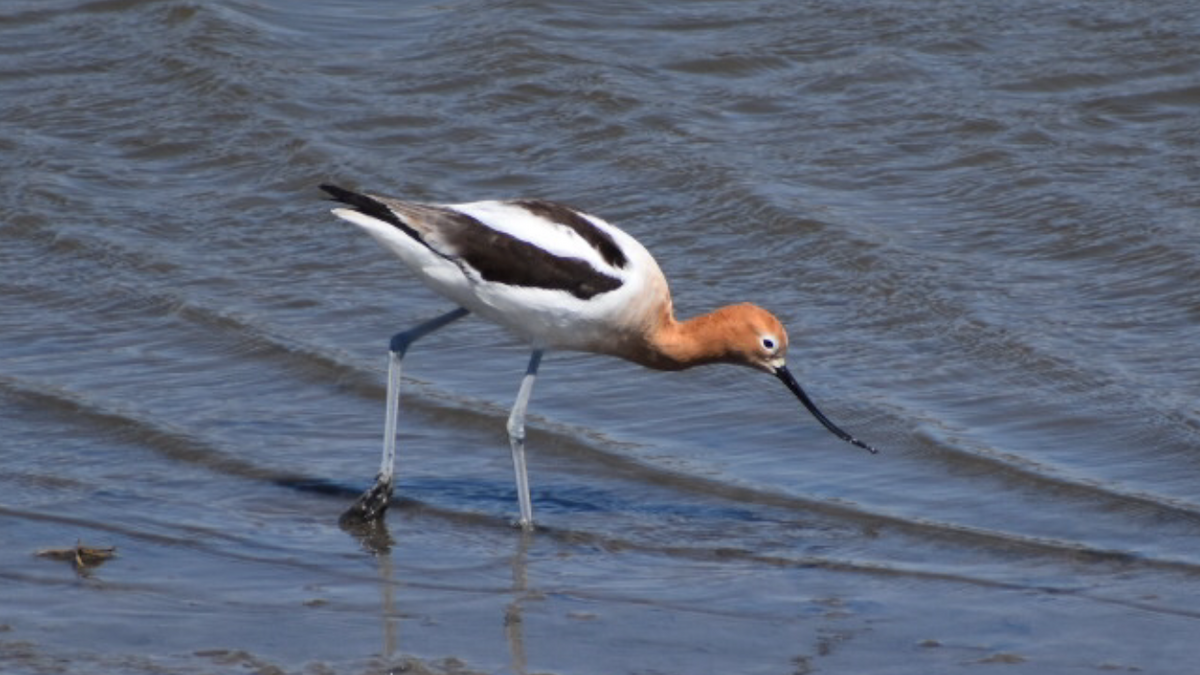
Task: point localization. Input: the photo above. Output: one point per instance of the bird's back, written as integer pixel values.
(554, 275)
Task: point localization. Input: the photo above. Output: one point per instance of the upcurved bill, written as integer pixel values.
(790, 382)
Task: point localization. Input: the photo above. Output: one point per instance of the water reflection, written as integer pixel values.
(376, 538)
(513, 619)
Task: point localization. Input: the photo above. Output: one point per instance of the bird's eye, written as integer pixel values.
(768, 343)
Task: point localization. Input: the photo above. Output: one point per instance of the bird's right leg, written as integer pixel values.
(374, 502)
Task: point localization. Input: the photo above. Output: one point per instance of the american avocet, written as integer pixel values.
(560, 279)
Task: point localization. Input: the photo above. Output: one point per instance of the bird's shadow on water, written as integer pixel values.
(374, 535)
(556, 499)
(460, 501)
(466, 496)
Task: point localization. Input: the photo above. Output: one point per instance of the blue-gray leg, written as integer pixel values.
(516, 438)
(374, 502)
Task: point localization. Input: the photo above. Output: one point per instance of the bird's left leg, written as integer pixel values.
(516, 438)
(372, 504)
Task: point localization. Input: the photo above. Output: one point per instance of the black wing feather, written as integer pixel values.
(495, 256)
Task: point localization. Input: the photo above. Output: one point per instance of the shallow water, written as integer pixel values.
(980, 223)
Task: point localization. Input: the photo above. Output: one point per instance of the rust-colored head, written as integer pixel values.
(748, 335)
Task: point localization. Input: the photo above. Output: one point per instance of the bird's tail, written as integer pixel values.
(365, 204)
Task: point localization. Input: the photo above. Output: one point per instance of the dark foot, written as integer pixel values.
(371, 505)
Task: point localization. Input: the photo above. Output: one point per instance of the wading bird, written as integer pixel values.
(559, 279)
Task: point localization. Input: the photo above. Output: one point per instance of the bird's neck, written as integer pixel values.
(676, 345)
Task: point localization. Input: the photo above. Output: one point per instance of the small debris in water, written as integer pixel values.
(82, 557)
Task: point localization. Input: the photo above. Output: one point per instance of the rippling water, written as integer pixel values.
(980, 221)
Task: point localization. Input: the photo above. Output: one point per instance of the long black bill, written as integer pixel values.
(790, 382)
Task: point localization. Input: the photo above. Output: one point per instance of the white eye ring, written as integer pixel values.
(768, 343)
